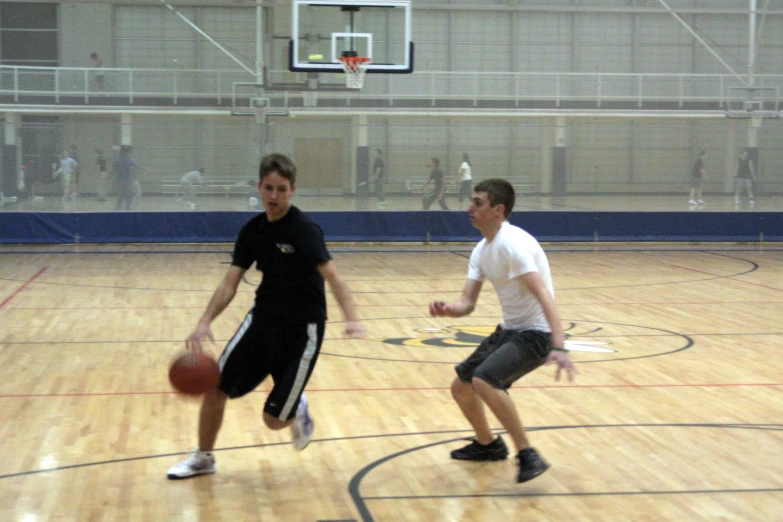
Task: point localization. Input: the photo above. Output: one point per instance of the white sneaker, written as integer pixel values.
(692, 202)
(736, 201)
(751, 202)
(701, 202)
(302, 428)
(200, 463)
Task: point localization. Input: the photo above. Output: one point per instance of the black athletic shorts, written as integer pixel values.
(505, 356)
(266, 345)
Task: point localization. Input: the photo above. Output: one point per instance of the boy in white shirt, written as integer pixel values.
(67, 167)
(529, 336)
(464, 178)
(189, 182)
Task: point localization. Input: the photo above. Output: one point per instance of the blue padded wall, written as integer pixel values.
(197, 227)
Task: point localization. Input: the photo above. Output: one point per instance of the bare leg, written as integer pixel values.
(503, 407)
(211, 419)
(473, 410)
(273, 423)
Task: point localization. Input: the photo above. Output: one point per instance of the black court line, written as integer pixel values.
(366, 515)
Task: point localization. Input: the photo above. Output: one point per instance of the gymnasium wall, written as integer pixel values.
(605, 156)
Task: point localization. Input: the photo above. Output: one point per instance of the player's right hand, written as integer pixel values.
(194, 340)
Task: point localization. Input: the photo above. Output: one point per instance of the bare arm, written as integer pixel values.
(463, 306)
(223, 295)
(460, 174)
(344, 299)
(535, 285)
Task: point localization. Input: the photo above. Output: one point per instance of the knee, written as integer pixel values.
(460, 389)
(273, 423)
(482, 386)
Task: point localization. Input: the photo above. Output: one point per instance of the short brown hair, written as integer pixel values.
(279, 163)
(498, 191)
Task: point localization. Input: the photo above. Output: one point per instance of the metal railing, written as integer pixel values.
(181, 86)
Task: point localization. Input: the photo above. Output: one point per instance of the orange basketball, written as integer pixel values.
(194, 373)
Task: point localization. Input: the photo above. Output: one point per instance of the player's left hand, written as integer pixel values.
(563, 363)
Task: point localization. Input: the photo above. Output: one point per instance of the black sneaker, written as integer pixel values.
(496, 450)
(531, 464)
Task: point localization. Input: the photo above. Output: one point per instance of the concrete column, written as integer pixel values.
(731, 160)
(359, 138)
(548, 133)
(126, 129)
(10, 125)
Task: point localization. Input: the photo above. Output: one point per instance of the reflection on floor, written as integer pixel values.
(533, 202)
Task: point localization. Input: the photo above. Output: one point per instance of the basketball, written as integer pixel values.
(194, 373)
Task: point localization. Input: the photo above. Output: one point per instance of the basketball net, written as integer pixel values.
(355, 68)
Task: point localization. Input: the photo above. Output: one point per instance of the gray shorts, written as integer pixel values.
(505, 356)
(743, 183)
(697, 183)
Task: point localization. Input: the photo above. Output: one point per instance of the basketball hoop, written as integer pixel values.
(355, 67)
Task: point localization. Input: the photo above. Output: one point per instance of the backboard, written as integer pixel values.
(324, 30)
(745, 102)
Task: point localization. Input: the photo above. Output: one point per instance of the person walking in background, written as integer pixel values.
(698, 175)
(529, 335)
(103, 175)
(378, 171)
(67, 167)
(189, 182)
(438, 186)
(97, 63)
(282, 334)
(465, 179)
(128, 185)
(744, 176)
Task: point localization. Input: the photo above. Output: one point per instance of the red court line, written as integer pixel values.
(437, 388)
(732, 278)
(607, 303)
(8, 299)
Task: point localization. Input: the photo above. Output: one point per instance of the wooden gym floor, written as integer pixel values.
(677, 413)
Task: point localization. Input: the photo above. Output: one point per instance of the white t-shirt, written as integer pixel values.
(67, 165)
(513, 253)
(193, 176)
(466, 176)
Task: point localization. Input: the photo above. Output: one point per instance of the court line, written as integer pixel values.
(773, 427)
(18, 290)
(366, 515)
(415, 389)
(732, 278)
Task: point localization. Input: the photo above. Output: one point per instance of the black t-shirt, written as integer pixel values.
(288, 252)
(437, 179)
(378, 165)
(697, 168)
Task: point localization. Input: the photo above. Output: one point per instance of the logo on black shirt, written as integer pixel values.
(286, 249)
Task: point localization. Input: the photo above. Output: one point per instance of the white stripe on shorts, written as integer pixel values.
(301, 373)
(235, 340)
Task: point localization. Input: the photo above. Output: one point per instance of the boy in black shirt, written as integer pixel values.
(438, 186)
(281, 336)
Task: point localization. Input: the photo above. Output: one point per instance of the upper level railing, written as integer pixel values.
(182, 86)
